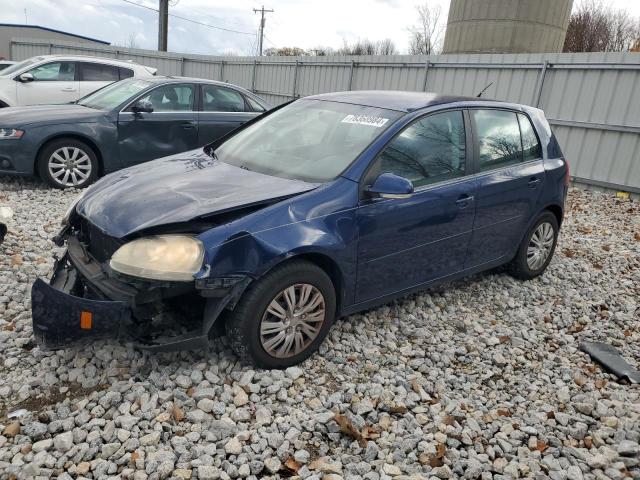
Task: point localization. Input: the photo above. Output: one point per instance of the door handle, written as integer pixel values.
(188, 126)
(464, 201)
(533, 182)
(68, 89)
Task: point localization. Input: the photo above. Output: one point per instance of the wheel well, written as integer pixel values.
(557, 211)
(330, 268)
(80, 138)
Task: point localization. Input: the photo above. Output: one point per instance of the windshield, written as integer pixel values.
(113, 95)
(309, 140)
(19, 66)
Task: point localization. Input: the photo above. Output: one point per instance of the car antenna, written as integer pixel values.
(484, 90)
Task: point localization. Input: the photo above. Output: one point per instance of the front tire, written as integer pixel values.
(68, 162)
(284, 316)
(537, 248)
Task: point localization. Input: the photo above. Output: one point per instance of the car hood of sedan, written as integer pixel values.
(178, 189)
(47, 114)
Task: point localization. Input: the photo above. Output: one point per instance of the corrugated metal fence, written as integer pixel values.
(592, 100)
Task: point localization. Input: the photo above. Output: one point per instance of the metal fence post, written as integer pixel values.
(542, 74)
(426, 75)
(253, 76)
(295, 79)
(353, 66)
(50, 48)
(222, 70)
(182, 60)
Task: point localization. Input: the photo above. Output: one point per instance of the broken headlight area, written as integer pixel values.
(86, 300)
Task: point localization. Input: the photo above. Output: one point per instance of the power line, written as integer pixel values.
(131, 2)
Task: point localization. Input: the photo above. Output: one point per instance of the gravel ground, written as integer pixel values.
(478, 379)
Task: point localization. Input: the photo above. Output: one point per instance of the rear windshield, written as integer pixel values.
(309, 140)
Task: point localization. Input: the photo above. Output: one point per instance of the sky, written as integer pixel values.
(301, 23)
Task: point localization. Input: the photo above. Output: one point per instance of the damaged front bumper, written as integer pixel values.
(84, 303)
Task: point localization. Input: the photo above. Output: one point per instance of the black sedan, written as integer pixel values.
(123, 124)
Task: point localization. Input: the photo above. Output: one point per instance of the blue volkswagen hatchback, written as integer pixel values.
(318, 209)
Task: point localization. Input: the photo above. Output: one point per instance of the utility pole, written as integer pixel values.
(163, 25)
(262, 22)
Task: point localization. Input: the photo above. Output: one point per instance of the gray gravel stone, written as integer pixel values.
(489, 367)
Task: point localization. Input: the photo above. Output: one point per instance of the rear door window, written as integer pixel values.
(220, 99)
(98, 72)
(498, 136)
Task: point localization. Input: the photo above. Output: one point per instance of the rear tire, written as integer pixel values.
(537, 248)
(67, 162)
(264, 330)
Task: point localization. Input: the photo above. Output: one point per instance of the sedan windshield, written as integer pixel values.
(114, 95)
(309, 140)
(19, 66)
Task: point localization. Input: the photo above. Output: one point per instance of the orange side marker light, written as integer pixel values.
(86, 319)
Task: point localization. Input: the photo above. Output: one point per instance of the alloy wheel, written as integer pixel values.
(540, 246)
(69, 166)
(292, 320)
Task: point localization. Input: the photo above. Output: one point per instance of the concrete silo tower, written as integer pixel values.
(507, 26)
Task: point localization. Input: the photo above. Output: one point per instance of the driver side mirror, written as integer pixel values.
(142, 106)
(390, 185)
(25, 78)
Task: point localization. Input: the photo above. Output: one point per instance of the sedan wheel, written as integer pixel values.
(67, 162)
(70, 166)
(282, 317)
(540, 245)
(536, 248)
(292, 321)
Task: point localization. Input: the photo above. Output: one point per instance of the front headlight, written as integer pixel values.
(163, 257)
(14, 133)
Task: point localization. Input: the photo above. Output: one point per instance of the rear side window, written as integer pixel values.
(220, 99)
(98, 72)
(255, 106)
(125, 73)
(430, 150)
(55, 72)
(498, 135)
(530, 145)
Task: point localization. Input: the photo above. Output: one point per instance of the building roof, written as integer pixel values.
(393, 100)
(53, 30)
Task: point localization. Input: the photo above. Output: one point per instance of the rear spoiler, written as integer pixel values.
(151, 70)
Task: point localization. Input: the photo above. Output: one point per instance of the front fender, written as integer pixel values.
(321, 222)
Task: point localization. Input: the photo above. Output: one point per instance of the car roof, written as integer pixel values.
(89, 58)
(395, 100)
(176, 79)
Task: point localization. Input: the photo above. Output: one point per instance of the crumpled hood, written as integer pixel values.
(177, 189)
(47, 114)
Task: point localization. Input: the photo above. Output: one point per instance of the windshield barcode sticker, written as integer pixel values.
(365, 120)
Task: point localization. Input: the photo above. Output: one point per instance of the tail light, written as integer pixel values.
(567, 175)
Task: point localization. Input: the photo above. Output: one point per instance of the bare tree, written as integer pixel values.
(368, 47)
(132, 41)
(285, 52)
(426, 36)
(596, 27)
